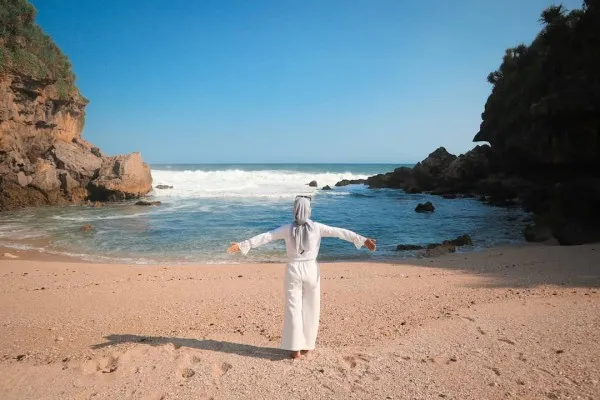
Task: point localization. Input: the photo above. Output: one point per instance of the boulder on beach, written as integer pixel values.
(121, 178)
(408, 247)
(439, 250)
(147, 203)
(426, 207)
(537, 232)
(326, 187)
(462, 240)
(313, 184)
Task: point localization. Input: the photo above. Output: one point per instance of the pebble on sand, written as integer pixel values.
(188, 373)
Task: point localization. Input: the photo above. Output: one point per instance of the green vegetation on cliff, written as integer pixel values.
(26, 50)
(544, 108)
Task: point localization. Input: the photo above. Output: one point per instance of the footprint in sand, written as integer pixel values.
(219, 371)
(104, 365)
(350, 360)
(226, 367)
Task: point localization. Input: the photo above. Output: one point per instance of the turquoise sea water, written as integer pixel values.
(213, 205)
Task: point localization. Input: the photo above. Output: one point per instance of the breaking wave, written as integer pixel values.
(237, 183)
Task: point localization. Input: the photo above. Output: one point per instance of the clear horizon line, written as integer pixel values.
(281, 163)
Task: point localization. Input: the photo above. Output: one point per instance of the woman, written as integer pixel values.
(302, 276)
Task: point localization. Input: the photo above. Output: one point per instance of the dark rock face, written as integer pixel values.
(313, 184)
(543, 111)
(440, 173)
(439, 250)
(147, 203)
(409, 247)
(543, 126)
(542, 123)
(400, 178)
(430, 172)
(572, 210)
(462, 240)
(346, 182)
(537, 232)
(326, 188)
(425, 207)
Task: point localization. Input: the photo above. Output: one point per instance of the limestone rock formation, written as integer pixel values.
(43, 158)
(121, 178)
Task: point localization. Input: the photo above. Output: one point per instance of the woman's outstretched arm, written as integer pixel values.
(347, 235)
(258, 240)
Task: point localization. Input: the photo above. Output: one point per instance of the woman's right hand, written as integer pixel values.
(234, 248)
(371, 244)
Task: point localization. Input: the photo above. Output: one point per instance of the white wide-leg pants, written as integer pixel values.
(302, 286)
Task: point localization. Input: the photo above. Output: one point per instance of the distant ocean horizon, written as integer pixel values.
(212, 205)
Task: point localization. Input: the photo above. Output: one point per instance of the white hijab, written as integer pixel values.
(304, 232)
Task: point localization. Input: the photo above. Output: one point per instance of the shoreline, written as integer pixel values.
(25, 251)
(504, 322)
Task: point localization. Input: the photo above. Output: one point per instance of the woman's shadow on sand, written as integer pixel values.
(267, 353)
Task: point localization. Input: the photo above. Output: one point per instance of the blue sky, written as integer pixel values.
(213, 81)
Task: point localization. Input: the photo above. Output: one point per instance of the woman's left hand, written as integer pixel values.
(371, 244)
(234, 248)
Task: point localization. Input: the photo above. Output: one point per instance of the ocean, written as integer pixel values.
(212, 205)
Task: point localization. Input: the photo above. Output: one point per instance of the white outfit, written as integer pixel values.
(302, 282)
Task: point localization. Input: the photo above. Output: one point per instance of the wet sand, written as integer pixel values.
(520, 322)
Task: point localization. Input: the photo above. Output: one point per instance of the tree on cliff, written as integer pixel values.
(544, 108)
(26, 50)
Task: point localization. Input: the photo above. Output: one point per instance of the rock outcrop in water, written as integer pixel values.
(43, 158)
(542, 121)
(440, 173)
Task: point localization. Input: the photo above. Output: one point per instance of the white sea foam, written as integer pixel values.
(19, 232)
(98, 217)
(236, 183)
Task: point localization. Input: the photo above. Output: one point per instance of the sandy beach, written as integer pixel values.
(520, 322)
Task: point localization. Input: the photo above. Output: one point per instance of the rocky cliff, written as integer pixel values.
(542, 123)
(43, 158)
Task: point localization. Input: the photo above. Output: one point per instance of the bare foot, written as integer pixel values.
(295, 354)
(303, 352)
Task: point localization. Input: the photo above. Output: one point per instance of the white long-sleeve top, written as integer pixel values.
(285, 232)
